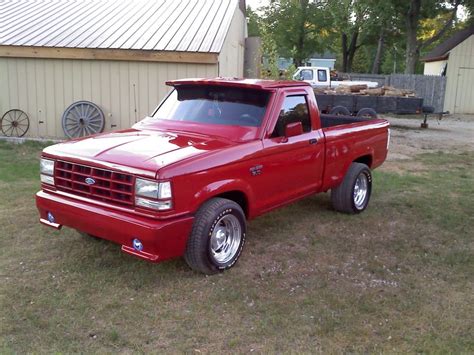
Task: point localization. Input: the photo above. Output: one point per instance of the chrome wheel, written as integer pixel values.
(225, 239)
(361, 187)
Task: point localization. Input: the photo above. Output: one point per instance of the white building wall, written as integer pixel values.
(231, 57)
(126, 91)
(434, 68)
(460, 83)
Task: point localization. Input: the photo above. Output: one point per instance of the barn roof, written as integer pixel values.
(198, 26)
(441, 52)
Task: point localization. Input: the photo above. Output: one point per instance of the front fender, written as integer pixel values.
(217, 188)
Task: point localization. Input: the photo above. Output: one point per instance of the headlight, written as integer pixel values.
(147, 191)
(47, 166)
(152, 189)
(47, 171)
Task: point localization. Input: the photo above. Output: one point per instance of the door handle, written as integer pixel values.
(313, 141)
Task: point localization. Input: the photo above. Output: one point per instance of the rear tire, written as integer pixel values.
(367, 113)
(217, 236)
(340, 111)
(353, 194)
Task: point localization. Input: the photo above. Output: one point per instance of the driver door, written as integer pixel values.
(293, 166)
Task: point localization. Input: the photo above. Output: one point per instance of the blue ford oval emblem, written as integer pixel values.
(89, 181)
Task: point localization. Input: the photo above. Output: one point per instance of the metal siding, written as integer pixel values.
(231, 57)
(44, 88)
(460, 84)
(164, 25)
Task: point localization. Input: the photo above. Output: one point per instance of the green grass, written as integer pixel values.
(397, 278)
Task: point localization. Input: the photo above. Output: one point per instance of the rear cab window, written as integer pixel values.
(322, 75)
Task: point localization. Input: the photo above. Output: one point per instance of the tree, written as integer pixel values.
(253, 25)
(348, 19)
(296, 26)
(415, 12)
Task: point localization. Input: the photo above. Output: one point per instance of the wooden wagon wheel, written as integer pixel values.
(82, 118)
(15, 123)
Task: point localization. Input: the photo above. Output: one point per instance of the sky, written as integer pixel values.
(254, 4)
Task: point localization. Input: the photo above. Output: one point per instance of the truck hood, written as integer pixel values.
(139, 149)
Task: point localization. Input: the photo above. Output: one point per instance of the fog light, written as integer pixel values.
(137, 245)
(51, 218)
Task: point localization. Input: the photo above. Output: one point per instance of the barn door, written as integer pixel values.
(464, 99)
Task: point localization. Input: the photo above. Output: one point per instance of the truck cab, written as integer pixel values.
(315, 76)
(321, 77)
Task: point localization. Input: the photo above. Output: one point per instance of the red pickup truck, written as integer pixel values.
(214, 154)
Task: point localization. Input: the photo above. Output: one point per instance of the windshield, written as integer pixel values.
(215, 105)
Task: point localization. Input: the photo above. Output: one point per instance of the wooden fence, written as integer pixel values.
(431, 88)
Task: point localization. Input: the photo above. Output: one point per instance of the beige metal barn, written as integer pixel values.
(115, 53)
(455, 58)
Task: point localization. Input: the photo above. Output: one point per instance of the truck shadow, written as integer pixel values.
(100, 262)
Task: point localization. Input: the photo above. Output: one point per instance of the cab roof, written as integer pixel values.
(239, 82)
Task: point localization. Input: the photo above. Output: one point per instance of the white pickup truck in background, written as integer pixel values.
(320, 77)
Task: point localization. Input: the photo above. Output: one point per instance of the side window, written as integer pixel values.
(306, 74)
(322, 75)
(294, 109)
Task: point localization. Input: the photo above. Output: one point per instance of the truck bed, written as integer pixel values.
(337, 120)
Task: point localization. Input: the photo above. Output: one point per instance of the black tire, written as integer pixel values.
(343, 198)
(367, 113)
(200, 251)
(340, 111)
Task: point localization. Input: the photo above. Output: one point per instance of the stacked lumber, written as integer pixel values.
(364, 90)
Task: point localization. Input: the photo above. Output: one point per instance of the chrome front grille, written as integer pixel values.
(97, 184)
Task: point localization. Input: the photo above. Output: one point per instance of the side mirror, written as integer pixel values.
(293, 129)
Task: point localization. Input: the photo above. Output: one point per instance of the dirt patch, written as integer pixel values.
(452, 133)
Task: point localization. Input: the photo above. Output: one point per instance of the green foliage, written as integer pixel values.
(269, 47)
(299, 28)
(253, 26)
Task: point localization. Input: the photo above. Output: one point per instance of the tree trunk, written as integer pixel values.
(348, 51)
(378, 55)
(344, 52)
(352, 49)
(412, 48)
(299, 56)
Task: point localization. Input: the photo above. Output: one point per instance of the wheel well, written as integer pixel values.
(238, 197)
(366, 159)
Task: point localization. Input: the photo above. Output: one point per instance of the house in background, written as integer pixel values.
(455, 59)
(117, 54)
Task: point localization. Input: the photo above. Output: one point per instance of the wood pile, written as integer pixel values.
(364, 90)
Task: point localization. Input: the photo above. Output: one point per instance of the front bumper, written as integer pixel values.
(161, 239)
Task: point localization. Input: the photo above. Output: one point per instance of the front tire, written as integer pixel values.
(353, 194)
(217, 236)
